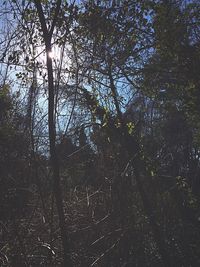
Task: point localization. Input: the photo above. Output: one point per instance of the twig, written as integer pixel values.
(107, 251)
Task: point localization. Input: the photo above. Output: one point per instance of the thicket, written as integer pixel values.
(99, 133)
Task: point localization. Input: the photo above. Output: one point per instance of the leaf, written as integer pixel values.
(130, 126)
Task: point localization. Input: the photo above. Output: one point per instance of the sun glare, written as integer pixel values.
(51, 54)
(54, 54)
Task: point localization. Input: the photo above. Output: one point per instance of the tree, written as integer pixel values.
(47, 37)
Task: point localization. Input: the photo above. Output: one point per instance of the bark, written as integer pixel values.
(47, 35)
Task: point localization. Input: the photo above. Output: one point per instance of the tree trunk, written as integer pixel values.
(47, 35)
(133, 150)
(54, 162)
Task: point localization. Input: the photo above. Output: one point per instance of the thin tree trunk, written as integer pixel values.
(133, 150)
(54, 162)
(47, 35)
(132, 147)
